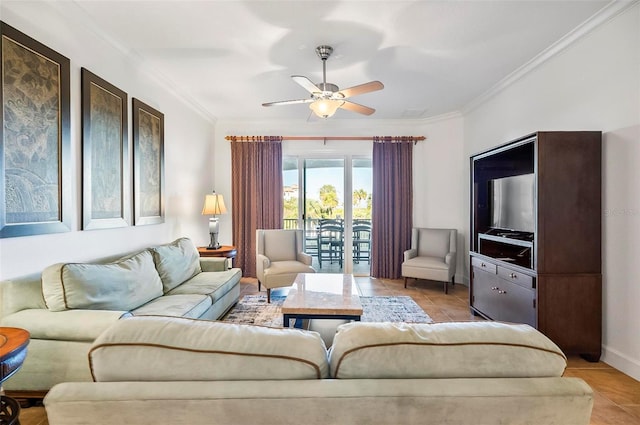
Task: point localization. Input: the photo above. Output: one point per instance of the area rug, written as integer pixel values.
(254, 310)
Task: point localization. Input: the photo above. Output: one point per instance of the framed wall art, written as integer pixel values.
(106, 194)
(35, 162)
(148, 164)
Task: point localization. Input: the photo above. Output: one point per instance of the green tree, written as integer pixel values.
(359, 196)
(314, 209)
(328, 200)
(361, 204)
(290, 208)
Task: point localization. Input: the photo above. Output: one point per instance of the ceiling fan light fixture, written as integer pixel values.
(325, 108)
(326, 98)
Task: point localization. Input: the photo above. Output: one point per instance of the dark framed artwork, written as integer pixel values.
(35, 162)
(148, 164)
(106, 195)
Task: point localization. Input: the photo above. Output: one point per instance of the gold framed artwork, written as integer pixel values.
(106, 194)
(35, 163)
(148, 164)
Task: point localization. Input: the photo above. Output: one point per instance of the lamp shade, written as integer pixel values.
(325, 108)
(214, 204)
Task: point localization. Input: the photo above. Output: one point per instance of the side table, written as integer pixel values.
(13, 350)
(227, 251)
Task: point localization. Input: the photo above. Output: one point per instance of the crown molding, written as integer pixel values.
(79, 15)
(608, 12)
(442, 117)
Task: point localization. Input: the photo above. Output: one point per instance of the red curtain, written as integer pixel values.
(256, 185)
(392, 204)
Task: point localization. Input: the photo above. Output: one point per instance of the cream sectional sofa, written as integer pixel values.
(155, 370)
(67, 306)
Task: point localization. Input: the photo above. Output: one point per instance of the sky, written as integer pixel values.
(318, 177)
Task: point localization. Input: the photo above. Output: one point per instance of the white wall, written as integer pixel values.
(592, 85)
(188, 137)
(438, 165)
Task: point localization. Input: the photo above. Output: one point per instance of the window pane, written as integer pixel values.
(324, 186)
(290, 192)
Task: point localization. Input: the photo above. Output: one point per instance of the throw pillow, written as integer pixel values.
(122, 285)
(176, 262)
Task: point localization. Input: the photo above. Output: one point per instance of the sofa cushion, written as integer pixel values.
(176, 262)
(122, 285)
(287, 268)
(185, 305)
(443, 350)
(213, 284)
(202, 350)
(426, 262)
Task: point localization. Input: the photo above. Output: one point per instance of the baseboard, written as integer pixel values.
(621, 362)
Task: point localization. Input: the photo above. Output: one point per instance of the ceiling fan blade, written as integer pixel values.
(288, 102)
(306, 84)
(362, 89)
(355, 107)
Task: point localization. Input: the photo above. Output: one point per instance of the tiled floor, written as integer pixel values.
(617, 396)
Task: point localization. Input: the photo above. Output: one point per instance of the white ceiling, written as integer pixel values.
(434, 57)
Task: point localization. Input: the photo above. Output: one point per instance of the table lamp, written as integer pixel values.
(213, 205)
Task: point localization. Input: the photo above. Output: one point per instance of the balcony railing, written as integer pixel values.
(312, 223)
(290, 223)
(361, 246)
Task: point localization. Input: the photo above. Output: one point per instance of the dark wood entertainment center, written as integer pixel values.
(551, 277)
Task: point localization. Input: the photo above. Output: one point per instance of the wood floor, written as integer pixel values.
(617, 396)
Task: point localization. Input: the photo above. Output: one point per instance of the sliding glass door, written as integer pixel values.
(330, 198)
(361, 184)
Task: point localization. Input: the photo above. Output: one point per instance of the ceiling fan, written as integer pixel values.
(326, 98)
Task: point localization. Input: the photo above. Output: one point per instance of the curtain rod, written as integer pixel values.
(414, 139)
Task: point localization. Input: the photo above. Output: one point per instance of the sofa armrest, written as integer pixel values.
(213, 264)
(20, 294)
(68, 325)
(410, 253)
(262, 263)
(450, 259)
(305, 258)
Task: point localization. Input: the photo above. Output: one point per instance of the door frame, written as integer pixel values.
(348, 198)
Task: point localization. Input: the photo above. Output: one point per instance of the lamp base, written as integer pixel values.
(214, 244)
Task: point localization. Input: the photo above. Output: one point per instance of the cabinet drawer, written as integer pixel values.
(521, 279)
(483, 265)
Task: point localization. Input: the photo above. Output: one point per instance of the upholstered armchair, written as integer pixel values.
(432, 256)
(280, 257)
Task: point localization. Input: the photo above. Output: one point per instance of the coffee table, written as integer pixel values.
(322, 296)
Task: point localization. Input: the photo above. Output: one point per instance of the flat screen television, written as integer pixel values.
(513, 203)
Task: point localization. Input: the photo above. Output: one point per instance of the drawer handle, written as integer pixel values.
(513, 276)
(502, 292)
(483, 265)
(494, 288)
